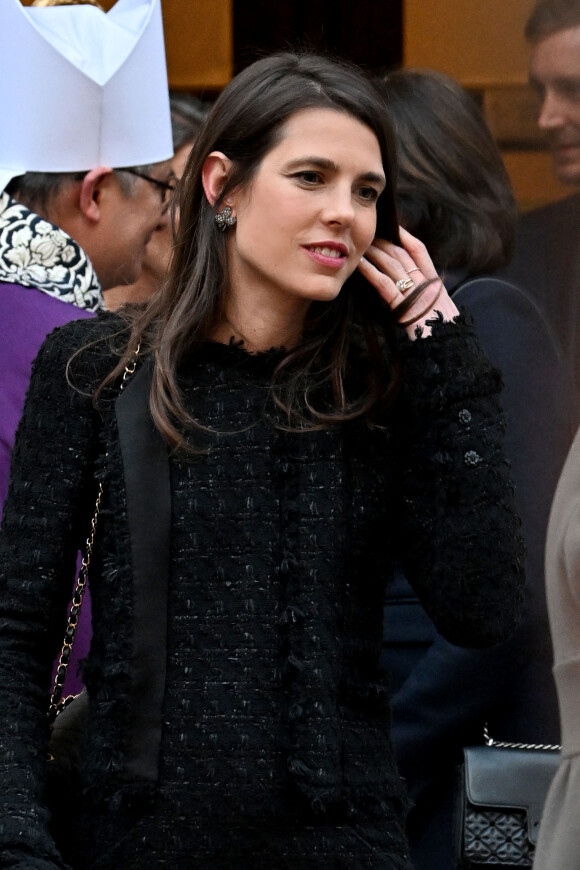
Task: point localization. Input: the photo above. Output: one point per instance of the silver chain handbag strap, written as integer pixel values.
(57, 702)
(489, 741)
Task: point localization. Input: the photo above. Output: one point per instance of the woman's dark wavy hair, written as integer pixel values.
(312, 382)
(453, 191)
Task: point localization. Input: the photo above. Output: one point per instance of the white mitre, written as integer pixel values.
(81, 88)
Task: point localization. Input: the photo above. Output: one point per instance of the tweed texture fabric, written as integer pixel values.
(275, 749)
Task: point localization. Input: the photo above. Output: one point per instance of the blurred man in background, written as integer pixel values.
(547, 258)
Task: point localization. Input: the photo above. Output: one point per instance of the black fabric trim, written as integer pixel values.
(148, 492)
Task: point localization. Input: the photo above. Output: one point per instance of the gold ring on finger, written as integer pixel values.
(414, 269)
(404, 284)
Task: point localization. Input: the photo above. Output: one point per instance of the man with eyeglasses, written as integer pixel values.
(85, 172)
(161, 181)
(165, 188)
(110, 213)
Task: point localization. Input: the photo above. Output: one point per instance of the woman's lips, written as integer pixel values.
(331, 256)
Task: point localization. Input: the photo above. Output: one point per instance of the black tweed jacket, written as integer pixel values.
(238, 716)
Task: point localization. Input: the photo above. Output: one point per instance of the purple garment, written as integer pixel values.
(26, 317)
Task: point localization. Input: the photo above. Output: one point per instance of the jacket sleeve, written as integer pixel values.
(451, 692)
(50, 501)
(460, 540)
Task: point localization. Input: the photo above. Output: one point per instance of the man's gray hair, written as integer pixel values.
(37, 190)
(550, 16)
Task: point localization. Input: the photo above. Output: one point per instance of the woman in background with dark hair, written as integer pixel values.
(302, 405)
(453, 193)
(452, 186)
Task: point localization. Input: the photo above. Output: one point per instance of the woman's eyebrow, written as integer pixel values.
(325, 163)
(319, 162)
(376, 177)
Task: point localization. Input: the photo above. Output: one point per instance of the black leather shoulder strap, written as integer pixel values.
(148, 491)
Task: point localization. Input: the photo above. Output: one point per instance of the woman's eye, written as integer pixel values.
(368, 193)
(308, 176)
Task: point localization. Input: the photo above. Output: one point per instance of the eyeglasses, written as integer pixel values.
(164, 187)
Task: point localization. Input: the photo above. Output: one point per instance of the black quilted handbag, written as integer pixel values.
(500, 797)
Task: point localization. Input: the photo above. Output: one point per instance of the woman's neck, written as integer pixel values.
(260, 328)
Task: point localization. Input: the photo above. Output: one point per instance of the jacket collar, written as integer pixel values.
(36, 253)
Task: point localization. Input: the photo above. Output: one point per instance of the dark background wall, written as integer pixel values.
(372, 37)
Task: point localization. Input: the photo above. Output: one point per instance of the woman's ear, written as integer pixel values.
(214, 175)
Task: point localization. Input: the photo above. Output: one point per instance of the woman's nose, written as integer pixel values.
(339, 207)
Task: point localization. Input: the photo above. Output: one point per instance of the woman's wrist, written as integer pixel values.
(432, 302)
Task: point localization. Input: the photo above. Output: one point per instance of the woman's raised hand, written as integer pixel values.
(396, 271)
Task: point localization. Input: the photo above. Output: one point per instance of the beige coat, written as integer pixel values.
(559, 837)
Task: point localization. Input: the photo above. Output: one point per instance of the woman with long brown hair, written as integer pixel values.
(301, 406)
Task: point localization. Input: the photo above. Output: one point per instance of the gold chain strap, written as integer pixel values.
(489, 741)
(57, 702)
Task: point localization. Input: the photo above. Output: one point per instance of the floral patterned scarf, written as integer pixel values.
(36, 253)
